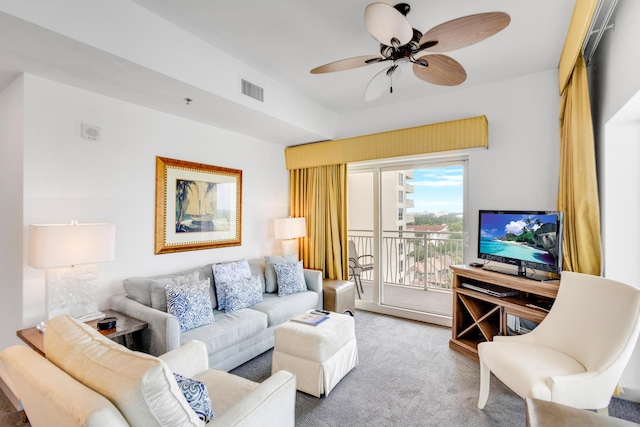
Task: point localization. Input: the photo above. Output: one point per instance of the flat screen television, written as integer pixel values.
(526, 239)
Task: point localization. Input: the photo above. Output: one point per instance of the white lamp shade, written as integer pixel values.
(290, 228)
(57, 245)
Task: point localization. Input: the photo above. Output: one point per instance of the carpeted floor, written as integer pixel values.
(407, 376)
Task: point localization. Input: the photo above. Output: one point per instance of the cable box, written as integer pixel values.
(491, 289)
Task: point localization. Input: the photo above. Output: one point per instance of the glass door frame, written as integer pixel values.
(404, 163)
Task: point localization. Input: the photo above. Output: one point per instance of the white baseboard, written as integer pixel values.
(631, 393)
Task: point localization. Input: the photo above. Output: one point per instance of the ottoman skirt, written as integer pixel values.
(320, 356)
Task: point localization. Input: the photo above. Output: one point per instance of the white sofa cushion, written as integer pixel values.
(140, 289)
(228, 330)
(141, 386)
(280, 309)
(541, 362)
(225, 390)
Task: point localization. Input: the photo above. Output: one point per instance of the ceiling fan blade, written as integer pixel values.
(348, 64)
(387, 25)
(442, 70)
(381, 82)
(465, 31)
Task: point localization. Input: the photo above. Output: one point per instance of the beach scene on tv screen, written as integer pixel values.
(524, 237)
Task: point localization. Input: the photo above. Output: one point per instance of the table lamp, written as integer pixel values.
(288, 230)
(70, 252)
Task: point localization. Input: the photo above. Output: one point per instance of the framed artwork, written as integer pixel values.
(197, 206)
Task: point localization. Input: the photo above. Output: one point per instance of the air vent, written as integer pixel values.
(252, 90)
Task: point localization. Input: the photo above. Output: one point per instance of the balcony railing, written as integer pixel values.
(416, 259)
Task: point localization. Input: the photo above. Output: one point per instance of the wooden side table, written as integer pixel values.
(125, 327)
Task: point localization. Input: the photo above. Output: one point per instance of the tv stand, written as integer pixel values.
(478, 317)
(521, 272)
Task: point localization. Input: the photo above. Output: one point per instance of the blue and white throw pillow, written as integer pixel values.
(290, 278)
(190, 303)
(270, 278)
(228, 272)
(243, 294)
(197, 395)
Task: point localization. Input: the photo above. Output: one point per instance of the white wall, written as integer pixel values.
(614, 81)
(11, 129)
(113, 180)
(520, 168)
(68, 178)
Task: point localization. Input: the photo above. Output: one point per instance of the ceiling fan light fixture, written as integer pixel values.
(421, 62)
(414, 44)
(403, 8)
(401, 43)
(386, 51)
(385, 23)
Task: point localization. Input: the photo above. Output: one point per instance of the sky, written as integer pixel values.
(437, 190)
(498, 224)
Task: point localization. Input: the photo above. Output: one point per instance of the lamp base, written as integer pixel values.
(290, 247)
(73, 291)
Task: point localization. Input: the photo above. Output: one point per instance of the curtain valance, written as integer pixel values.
(583, 12)
(445, 136)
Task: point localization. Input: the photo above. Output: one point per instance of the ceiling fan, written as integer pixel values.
(400, 43)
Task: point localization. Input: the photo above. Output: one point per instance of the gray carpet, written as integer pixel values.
(407, 376)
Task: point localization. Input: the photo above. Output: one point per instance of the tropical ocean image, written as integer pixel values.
(524, 237)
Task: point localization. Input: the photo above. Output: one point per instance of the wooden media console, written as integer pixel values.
(478, 317)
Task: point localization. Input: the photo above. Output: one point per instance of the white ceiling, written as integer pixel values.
(284, 39)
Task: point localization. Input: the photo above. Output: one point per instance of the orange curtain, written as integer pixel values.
(320, 195)
(578, 192)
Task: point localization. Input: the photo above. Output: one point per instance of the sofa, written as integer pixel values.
(89, 380)
(233, 338)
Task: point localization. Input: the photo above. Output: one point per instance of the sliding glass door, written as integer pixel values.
(408, 218)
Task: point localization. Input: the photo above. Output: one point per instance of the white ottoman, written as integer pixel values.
(320, 356)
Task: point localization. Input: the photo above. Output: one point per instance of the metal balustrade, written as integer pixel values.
(415, 259)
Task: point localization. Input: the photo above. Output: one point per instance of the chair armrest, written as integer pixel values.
(524, 338)
(271, 404)
(575, 390)
(187, 360)
(313, 279)
(162, 334)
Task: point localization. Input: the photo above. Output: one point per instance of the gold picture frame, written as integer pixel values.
(198, 206)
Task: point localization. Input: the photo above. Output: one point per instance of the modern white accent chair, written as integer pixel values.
(577, 354)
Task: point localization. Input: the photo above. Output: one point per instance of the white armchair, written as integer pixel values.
(577, 354)
(88, 380)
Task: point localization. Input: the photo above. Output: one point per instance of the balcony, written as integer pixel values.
(413, 262)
